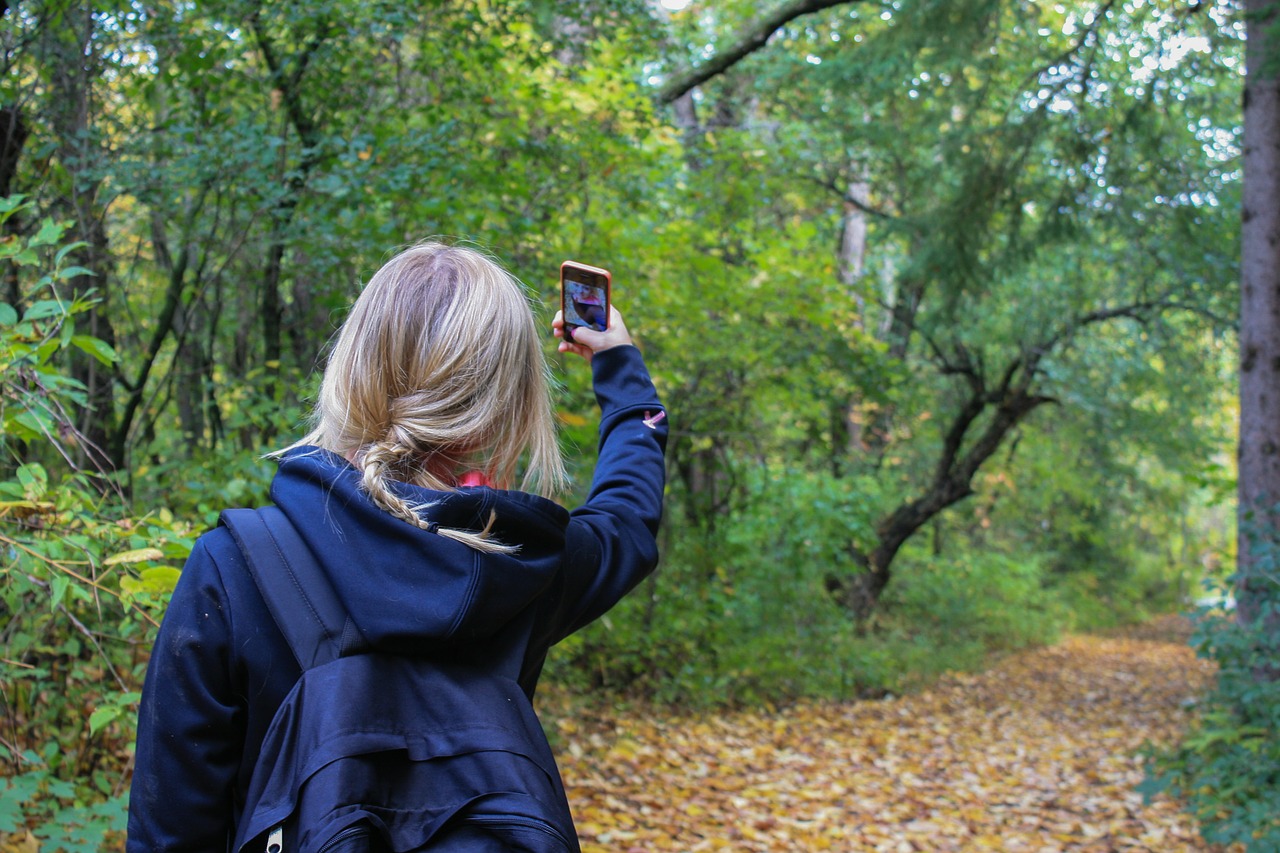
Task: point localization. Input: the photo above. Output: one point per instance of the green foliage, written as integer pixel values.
(66, 821)
(1225, 769)
(81, 582)
(984, 601)
(742, 615)
(36, 393)
(739, 615)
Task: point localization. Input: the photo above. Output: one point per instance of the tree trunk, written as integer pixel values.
(13, 135)
(287, 76)
(70, 51)
(193, 375)
(959, 463)
(1259, 486)
(849, 417)
(96, 421)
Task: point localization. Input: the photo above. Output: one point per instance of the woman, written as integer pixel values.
(435, 397)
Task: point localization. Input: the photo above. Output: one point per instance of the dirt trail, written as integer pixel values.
(1038, 754)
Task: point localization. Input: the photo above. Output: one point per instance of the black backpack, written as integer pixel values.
(381, 752)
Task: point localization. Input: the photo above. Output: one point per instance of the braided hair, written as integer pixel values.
(439, 369)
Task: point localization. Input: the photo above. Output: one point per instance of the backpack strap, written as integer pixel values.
(297, 592)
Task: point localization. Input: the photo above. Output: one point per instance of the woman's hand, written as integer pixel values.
(587, 342)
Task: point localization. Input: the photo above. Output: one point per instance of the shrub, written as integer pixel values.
(80, 581)
(744, 616)
(971, 604)
(1227, 768)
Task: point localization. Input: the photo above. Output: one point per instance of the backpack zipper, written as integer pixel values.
(275, 839)
(350, 832)
(520, 821)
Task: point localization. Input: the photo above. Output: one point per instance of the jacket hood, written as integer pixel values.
(404, 586)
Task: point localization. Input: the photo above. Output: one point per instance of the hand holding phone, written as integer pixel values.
(587, 342)
(584, 297)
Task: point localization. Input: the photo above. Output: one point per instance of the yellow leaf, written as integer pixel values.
(137, 555)
(24, 509)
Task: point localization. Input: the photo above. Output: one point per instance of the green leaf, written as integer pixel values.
(25, 508)
(46, 350)
(43, 309)
(95, 347)
(66, 250)
(58, 590)
(15, 793)
(71, 272)
(8, 316)
(102, 717)
(26, 425)
(33, 477)
(160, 581)
(9, 204)
(50, 232)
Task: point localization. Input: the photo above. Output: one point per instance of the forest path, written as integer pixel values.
(1039, 753)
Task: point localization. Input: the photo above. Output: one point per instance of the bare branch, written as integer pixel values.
(1141, 311)
(748, 42)
(290, 85)
(847, 198)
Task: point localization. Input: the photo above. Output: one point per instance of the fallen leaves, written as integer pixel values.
(1038, 754)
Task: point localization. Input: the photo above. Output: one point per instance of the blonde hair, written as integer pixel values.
(439, 368)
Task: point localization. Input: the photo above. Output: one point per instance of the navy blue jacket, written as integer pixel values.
(220, 667)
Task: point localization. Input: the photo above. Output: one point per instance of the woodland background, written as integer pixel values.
(942, 296)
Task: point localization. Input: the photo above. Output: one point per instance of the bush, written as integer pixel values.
(1227, 768)
(990, 601)
(743, 617)
(739, 615)
(1129, 589)
(81, 583)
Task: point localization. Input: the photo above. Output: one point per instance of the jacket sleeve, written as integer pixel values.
(190, 730)
(611, 541)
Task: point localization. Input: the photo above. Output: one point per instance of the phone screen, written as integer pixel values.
(586, 298)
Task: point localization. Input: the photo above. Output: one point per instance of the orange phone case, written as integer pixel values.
(595, 291)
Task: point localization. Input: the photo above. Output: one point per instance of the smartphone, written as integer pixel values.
(584, 297)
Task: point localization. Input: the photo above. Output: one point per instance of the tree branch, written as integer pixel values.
(849, 199)
(748, 42)
(290, 85)
(1009, 402)
(1140, 311)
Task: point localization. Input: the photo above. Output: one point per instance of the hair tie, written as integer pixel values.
(432, 527)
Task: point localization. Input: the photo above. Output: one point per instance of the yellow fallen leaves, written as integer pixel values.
(1038, 754)
(15, 843)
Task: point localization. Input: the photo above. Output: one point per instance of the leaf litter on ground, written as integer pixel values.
(1041, 753)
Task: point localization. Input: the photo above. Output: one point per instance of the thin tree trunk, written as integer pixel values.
(13, 135)
(96, 421)
(847, 427)
(70, 52)
(287, 76)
